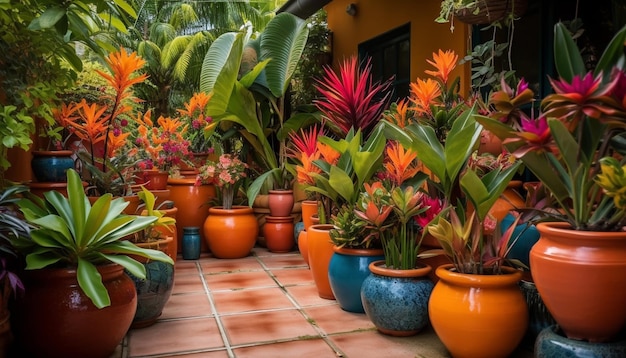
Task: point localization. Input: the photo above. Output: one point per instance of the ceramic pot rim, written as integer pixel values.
(377, 267)
(280, 191)
(564, 230)
(321, 227)
(53, 153)
(236, 210)
(510, 275)
(348, 251)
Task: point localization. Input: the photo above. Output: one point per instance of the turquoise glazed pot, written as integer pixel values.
(552, 343)
(529, 237)
(396, 301)
(51, 166)
(347, 270)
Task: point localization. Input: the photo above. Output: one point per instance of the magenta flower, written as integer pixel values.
(434, 207)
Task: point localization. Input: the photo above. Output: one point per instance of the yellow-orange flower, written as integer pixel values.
(424, 93)
(198, 102)
(329, 154)
(444, 62)
(116, 142)
(400, 116)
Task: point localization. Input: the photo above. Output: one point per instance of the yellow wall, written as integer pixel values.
(375, 17)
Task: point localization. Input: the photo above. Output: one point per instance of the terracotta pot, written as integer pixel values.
(39, 188)
(303, 245)
(309, 208)
(347, 270)
(54, 318)
(192, 202)
(396, 301)
(278, 233)
(131, 209)
(280, 202)
(155, 290)
(320, 252)
(490, 11)
(478, 315)
(155, 179)
(231, 233)
(509, 200)
(581, 276)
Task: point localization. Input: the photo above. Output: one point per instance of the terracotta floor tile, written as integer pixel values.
(294, 276)
(187, 305)
(277, 261)
(214, 354)
(373, 344)
(250, 300)
(239, 280)
(266, 327)
(175, 336)
(213, 265)
(186, 267)
(306, 295)
(187, 284)
(335, 320)
(310, 348)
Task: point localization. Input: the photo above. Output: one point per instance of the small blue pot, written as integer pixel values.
(397, 306)
(51, 166)
(347, 270)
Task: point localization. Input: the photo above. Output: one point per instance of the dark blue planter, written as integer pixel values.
(521, 248)
(51, 166)
(552, 343)
(347, 270)
(397, 306)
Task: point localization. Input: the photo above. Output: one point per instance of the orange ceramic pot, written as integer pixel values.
(278, 233)
(155, 179)
(581, 276)
(303, 245)
(39, 188)
(509, 200)
(478, 315)
(231, 233)
(320, 252)
(280, 202)
(309, 208)
(192, 202)
(489, 143)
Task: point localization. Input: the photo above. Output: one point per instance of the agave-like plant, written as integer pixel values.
(70, 232)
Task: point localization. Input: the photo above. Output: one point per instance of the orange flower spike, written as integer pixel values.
(424, 94)
(400, 164)
(123, 65)
(66, 114)
(329, 154)
(116, 142)
(400, 116)
(93, 128)
(307, 169)
(444, 62)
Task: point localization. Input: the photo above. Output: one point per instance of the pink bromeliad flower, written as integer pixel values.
(534, 134)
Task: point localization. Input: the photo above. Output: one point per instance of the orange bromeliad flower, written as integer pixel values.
(444, 62)
(424, 93)
(66, 114)
(123, 65)
(116, 142)
(400, 116)
(93, 127)
(329, 154)
(400, 163)
(196, 104)
(307, 170)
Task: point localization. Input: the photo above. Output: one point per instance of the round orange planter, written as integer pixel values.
(278, 233)
(155, 179)
(303, 245)
(509, 200)
(581, 276)
(309, 208)
(231, 233)
(478, 315)
(280, 202)
(320, 252)
(192, 202)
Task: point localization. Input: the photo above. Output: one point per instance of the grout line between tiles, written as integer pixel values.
(218, 318)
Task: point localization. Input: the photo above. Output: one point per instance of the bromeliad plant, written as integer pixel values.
(71, 233)
(200, 126)
(162, 143)
(575, 147)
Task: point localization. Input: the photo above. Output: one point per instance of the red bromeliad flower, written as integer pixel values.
(583, 96)
(433, 208)
(351, 99)
(507, 102)
(304, 144)
(444, 62)
(534, 133)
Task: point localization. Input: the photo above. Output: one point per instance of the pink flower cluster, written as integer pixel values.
(227, 171)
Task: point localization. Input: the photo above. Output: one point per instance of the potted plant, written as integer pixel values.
(75, 257)
(574, 147)
(155, 289)
(230, 230)
(11, 225)
(480, 11)
(201, 128)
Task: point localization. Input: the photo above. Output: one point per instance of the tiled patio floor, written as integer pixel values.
(264, 305)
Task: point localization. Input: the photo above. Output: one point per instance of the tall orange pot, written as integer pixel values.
(309, 208)
(478, 315)
(320, 252)
(581, 276)
(231, 233)
(192, 202)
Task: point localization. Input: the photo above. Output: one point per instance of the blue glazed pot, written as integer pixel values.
(552, 343)
(521, 248)
(297, 227)
(51, 166)
(347, 270)
(396, 301)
